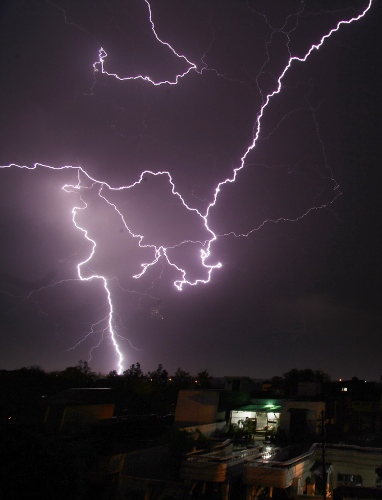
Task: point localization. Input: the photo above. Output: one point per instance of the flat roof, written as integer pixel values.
(260, 407)
(75, 396)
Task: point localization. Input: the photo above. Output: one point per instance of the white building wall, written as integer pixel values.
(356, 461)
(340, 459)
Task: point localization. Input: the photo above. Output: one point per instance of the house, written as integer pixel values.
(209, 473)
(75, 410)
(198, 409)
(237, 384)
(265, 413)
(346, 466)
(355, 406)
(301, 418)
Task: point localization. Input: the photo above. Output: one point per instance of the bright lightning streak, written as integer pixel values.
(103, 55)
(162, 252)
(104, 281)
(267, 101)
(206, 251)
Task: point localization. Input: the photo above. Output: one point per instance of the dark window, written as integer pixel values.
(349, 480)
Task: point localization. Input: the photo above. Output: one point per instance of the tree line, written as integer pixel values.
(134, 379)
(153, 391)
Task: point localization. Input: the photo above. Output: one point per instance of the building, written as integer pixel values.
(300, 419)
(195, 408)
(264, 413)
(302, 476)
(75, 410)
(216, 471)
(236, 384)
(354, 406)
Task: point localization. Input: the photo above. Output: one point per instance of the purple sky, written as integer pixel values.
(301, 290)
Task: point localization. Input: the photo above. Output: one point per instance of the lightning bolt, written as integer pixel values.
(100, 64)
(105, 191)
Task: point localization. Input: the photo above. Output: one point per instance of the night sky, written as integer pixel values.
(297, 234)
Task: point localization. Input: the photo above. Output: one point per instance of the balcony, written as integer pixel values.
(277, 474)
(214, 466)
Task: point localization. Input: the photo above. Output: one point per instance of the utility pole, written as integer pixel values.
(323, 453)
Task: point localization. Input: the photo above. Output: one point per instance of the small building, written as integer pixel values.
(75, 410)
(209, 473)
(263, 412)
(236, 384)
(355, 406)
(300, 419)
(347, 469)
(198, 408)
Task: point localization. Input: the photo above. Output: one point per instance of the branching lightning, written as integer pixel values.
(161, 253)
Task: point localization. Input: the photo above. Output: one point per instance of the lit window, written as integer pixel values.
(344, 389)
